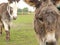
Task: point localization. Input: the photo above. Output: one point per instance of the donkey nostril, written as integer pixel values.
(14, 18)
(47, 43)
(50, 43)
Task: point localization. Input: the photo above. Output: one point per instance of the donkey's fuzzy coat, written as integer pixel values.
(46, 22)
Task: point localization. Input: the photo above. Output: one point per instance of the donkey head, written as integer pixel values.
(12, 5)
(46, 16)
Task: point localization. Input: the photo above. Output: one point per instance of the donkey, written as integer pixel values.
(46, 21)
(8, 12)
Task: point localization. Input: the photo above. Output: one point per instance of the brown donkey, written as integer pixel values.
(8, 11)
(46, 22)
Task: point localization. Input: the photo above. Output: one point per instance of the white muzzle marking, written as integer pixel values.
(50, 37)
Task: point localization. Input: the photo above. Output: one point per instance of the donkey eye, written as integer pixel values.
(41, 19)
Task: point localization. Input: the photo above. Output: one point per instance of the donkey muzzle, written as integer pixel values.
(14, 18)
(51, 43)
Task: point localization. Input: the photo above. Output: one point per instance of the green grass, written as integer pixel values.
(21, 33)
(24, 19)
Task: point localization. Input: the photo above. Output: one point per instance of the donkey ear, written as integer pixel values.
(58, 5)
(56, 2)
(32, 2)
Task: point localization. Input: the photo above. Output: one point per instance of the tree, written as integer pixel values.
(19, 10)
(25, 9)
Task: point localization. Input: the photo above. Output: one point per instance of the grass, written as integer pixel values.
(24, 19)
(21, 33)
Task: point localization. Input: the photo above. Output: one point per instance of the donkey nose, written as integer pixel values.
(50, 43)
(14, 18)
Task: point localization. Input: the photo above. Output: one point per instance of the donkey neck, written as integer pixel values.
(3, 7)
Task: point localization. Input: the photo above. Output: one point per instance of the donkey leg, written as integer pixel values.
(7, 29)
(1, 28)
(7, 35)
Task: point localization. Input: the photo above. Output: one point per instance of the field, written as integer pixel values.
(21, 33)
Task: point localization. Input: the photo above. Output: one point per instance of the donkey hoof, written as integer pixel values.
(7, 39)
(0, 34)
